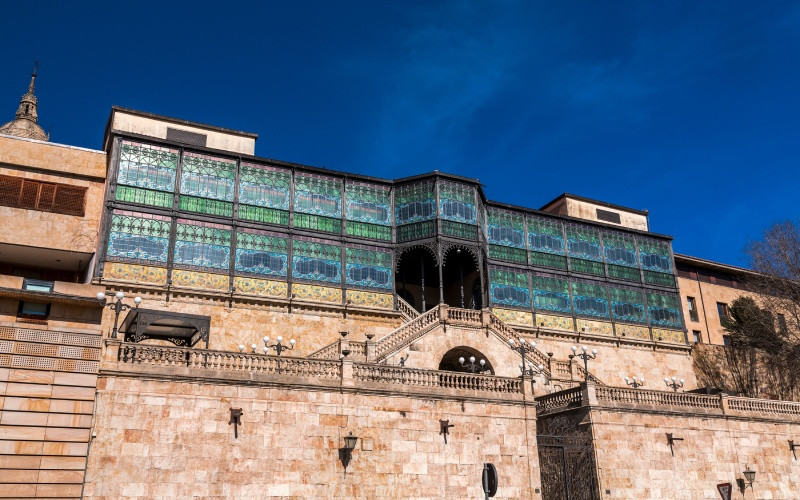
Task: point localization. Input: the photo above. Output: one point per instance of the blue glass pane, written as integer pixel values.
(505, 228)
(415, 202)
(208, 177)
(551, 301)
(620, 250)
(655, 256)
(131, 246)
(509, 295)
(368, 276)
(584, 243)
(264, 186)
(318, 196)
(545, 236)
(315, 269)
(148, 167)
(370, 204)
(261, 262)
(202, 254)
(457, 202)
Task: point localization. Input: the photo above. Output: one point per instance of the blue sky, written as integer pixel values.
(688, 109)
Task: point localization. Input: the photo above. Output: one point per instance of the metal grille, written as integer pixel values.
(607, 216)
(186, 137)
(44, 196)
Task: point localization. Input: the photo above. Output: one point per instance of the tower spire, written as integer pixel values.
(27, 116)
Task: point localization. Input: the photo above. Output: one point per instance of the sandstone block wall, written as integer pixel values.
(635, 461)
(163, 438)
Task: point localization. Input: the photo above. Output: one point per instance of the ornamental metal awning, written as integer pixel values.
(179, 328)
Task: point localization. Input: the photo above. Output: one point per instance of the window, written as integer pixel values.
(696, 337)
(690, 302)
(37, 285)
(44, 196)
(726, 340)
(33, 312)
(722, 309)
(782, 324)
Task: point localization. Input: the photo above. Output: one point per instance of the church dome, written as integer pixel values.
(25, 123)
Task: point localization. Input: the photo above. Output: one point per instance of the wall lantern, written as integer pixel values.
(585, 356)
(749, 476)
(346, 451)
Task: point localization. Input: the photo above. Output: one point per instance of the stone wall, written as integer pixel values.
(47, 390)
(165, 432)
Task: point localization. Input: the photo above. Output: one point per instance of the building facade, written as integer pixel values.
(285, 308)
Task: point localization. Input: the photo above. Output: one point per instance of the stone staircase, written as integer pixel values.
(564, 373)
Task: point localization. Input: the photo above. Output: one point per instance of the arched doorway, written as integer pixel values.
(461, 278)
(417, 279)
(450, 361)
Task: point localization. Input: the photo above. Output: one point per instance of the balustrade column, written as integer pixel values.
(347, 372)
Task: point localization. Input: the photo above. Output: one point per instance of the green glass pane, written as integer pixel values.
(318, 223)
(144, 196)
(263, 214)
(416, 231)
(623, 273)
(507, 253)
(548, 260)
(586, 266)
(373, 231)
(459, 230)
(206, 206)
(662, 279)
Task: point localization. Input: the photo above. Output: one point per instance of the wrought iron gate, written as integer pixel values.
(567, 468)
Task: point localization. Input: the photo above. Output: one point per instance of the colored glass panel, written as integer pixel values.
(264, 186)
(263, 214)
(664, 310)
(459, 230)
(206, 246)
(318, 223)
(545, 236)
(148, 167)
(144, 196)
(316, 261)
(261, 253)
(620, 250)
(368, 203)
(584, 243)
(508, 253)
(139, 237)
(590, 299)
(505, 228)
(540, 259)
(457, 202)
(551, 294)
(662, 279)
(415, 202)
(205, 176)
(373, 231)
(370, 268)
(655, 256)
(205, 206)
(318, 195)
(586, 266)
(627, 305)
(509, 288)
(416, 231)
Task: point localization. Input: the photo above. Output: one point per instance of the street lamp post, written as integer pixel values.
(526, 367)
(278, 346)
(117, 306)
(585, 356)
(634, 382)
(472, 366)
(673, 383)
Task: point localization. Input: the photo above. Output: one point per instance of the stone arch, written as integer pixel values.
(450, 359)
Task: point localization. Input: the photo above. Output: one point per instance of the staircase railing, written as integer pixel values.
(406, 310)
(407, 333)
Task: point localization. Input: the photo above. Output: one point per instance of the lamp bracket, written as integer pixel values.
(236, 420)
(444, 428)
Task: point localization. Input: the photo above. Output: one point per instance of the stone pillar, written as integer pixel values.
(443, 310)
(347, 372)
(371, 348)
(111, 351)
(588, 393)
(485, 320)
(723, 403)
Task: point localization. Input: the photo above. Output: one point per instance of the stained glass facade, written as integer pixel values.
(260, 253)
(368, 267)
(315, 260)
(546, 243)
(627, 304)
(415, 202)
(590, 299)
(202, 245)
(664, 310)
(207, 184)
(146, 174)
(457, 203)
(551, 293)
(509, 287)
(264, 194)
(368, 210)
(136, 237)
(318, 202)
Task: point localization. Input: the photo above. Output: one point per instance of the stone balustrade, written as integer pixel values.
(228, 361)
(666, 401)
(436, 378)
(406, 309)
